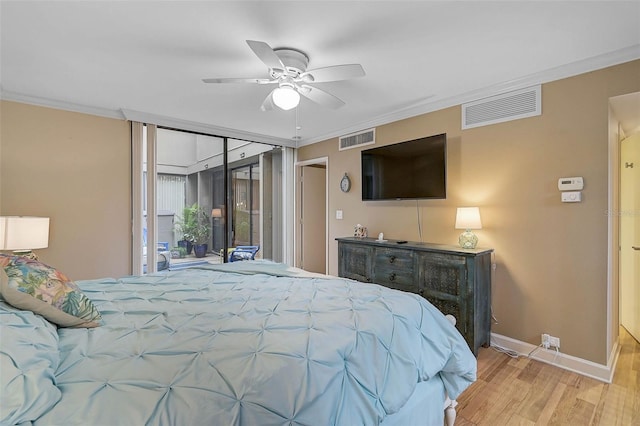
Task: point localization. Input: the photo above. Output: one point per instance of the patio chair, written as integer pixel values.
(243, 253)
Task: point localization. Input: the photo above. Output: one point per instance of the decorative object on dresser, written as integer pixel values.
(23, 234)
(468, 218)
(457, 281)
(360, 231)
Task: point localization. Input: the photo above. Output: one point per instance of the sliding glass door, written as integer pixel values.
(187, 184)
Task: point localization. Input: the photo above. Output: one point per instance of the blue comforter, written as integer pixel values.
(252, 343)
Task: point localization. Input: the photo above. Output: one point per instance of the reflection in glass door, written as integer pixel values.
(245, 184)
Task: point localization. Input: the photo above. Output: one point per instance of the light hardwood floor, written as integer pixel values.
(524, 391)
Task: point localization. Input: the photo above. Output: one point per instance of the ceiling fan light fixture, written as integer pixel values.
(288, 69)
(286, 97)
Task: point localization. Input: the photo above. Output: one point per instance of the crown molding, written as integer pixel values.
(193, 126)
(627, 54)
(132, 115)
(62, 105)
(422, 107)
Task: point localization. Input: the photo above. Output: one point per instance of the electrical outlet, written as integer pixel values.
(549, 341)
(545, 341)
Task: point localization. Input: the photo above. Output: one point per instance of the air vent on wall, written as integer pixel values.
(500, 108)
(366, 137)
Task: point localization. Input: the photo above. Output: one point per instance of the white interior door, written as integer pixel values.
(630, 235)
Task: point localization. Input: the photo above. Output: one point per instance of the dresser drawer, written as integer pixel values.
(394, 268)
(394, 258)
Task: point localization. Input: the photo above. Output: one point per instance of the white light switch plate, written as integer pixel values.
(339, 214)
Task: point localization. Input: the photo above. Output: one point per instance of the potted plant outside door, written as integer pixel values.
(201, 232)
(186, 225)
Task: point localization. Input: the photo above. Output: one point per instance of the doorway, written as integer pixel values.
(311, 213)
(630, 235)
(625, 111)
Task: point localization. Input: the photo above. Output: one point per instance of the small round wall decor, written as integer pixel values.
(345, 183)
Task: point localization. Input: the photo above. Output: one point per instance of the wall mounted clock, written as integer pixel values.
(345, 183)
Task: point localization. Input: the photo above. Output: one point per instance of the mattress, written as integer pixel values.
(253, 343)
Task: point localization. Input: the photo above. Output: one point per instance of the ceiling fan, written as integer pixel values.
(288, 69)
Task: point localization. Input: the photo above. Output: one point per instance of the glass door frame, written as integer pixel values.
(140, 186)
(148, 186)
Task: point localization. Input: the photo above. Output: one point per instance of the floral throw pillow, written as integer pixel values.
(37, 287)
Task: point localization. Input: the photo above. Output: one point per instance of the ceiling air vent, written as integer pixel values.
(366, 137)
(500, 108)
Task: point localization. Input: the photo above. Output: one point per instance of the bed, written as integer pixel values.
(243, 343)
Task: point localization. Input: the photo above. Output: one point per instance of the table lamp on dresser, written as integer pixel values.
(468, 218)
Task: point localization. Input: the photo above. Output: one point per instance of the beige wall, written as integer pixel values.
(76, 169)
(551, 257)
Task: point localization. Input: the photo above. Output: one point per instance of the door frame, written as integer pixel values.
(298, 208)
(614, 232)
(633, 330)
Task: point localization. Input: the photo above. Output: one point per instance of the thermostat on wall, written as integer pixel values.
(570, 184)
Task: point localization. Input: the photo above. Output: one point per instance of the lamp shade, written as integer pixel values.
(468, 218)
(286, 98)
(23, 232)
(216, 213)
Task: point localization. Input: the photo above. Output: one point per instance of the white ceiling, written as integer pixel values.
(147, 58)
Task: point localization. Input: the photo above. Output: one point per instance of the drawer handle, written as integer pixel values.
(392, 276)
(392, 259)
(368, 279)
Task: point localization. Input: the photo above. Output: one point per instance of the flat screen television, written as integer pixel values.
(411, 170)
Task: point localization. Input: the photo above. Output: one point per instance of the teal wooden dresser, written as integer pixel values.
(455, 280)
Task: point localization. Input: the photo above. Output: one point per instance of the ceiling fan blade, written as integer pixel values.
(239, 80)
(267, 104)
(333, 73)
(266, 54)
(320, 96)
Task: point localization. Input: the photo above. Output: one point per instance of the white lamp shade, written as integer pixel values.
(468, 218)
(23, 232)
(286, 97)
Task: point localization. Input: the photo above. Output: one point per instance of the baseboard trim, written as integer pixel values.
(568, 362)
